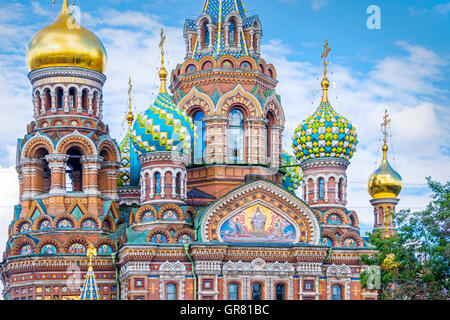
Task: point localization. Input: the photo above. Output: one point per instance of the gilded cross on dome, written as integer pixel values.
(384, 125)
(324, 56)
(161, 45)
(325, 82)
(130, 116)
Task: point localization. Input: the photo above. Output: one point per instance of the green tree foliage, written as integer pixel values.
(414, 262)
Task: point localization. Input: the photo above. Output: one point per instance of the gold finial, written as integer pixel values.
(130, 116)
(65, 7)
(325, 83)
(91, 253)
(385, 124)
(162, 72)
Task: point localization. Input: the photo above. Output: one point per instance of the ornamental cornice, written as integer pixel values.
(257, 119)
(91, 159)
(31, 162)
(377, 201)
(57, 157)
(215, 117)
(226, 72)
(324, 162)
(163, 156)
(67, 72)
(111, 164)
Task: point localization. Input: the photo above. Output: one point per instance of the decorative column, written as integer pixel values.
(251, 49)
(258, 44)
(110, 171)
(57, 164)
(226, 28)
(66, 101)
(91, 166)
(32, 170)
(239, 29)
(277, 134)
(210, 27)
(79, 102)
(53, 95)
(90, 98)
(43, 104)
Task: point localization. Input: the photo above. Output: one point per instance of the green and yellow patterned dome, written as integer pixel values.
(294, 175)
(325, 134)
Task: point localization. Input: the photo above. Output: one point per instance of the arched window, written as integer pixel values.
(340, 185)
(233, 291)
(256, 291)
(59, 98)
(171, 291)
(269, 142)
(48, 99)
(72, 101)
(337, 293)
(157, 183)
(236, 136)
(199, 142)
(74, 171)
(84, 100)
(206, 34)
(232, 33)
(321, 192)
(178, 184)
(280, 291)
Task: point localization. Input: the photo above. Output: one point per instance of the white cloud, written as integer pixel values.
(442, 8)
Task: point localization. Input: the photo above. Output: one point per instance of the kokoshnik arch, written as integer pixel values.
(198, 199)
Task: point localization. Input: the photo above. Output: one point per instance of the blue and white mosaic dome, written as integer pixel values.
(163, 127)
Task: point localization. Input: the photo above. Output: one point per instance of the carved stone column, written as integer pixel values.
(57, 164)
(91, 166)
(109, 172)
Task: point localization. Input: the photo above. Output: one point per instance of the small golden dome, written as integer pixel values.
(65, 43)
(385, 182)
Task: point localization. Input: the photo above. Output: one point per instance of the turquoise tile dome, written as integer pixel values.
(294, 175)
(325, 134)
(163, 127)
(130, 167)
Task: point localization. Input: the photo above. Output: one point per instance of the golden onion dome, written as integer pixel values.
(65, 43)
(385, 182)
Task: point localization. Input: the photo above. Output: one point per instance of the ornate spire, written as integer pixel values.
(90, 289)
(130, 116)
(65, 8)
(325, 82)
(162, 72)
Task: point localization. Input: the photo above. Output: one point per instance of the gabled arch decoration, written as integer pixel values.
(283, 206)
(238, 96)
(194, 99)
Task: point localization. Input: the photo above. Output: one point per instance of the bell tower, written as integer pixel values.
(230, 93)
(67, 162)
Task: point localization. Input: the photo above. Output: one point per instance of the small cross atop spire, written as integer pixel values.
(162, 72)
(325, 83)
(130, 116)
(324, 56)
(384, 125)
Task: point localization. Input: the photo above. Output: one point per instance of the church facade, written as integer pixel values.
(198, 200)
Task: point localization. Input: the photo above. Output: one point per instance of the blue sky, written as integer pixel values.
(403, 67)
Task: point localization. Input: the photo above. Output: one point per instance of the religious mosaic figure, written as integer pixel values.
(258, 220)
